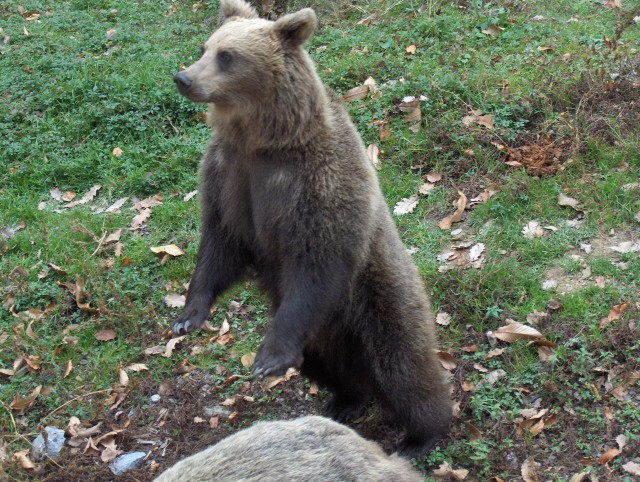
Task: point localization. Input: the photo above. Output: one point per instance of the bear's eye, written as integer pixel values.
(202, 50)
(224, 58)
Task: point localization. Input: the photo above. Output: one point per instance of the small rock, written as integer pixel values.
(126, 462)
(155, 398)
(51, 446)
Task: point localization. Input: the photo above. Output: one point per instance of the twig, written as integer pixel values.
(74, 399)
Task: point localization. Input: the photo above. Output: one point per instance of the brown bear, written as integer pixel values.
(289, 194)
(312, 449)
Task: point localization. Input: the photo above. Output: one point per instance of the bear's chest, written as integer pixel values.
(257, 199)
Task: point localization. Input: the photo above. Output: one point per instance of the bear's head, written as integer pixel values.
(245, 60)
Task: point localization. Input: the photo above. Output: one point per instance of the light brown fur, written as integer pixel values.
(289, 192)
(310, 449)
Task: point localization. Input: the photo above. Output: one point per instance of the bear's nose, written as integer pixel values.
(182, 80)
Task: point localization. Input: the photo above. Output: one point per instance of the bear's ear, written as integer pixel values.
(237, 8)
(294, 29)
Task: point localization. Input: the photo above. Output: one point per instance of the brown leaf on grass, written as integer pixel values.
(224, 328)
(564, 200)
(383, 133)
(411, 49)
(433, 177)
(443, 318)
(247, 359)
(608, 456)
(447, 360)
(615, 313)
(214, 421)
(149, 202)
(532, 230)
(117, 152)
(56, 194)
(536, 317)
(174, 300)
(406, 206)
(496, 352)
(492, 30)
(82, 298)
(516, 331)
(485, 120)
(373, 88)
(426, 188)
(89, 195)
(68, 196)
(171, 345)
(139, 220)
(457, 216)
(22, 457)
(468, 386)
(115, 207)
(412, 109)
(447, 473)
(105, 335)
(270, 382)
(579, 477)
(373, 151)
(20, 403)
(632, 468)
(170, 249)
(67, 370)
(7, 372)
(528, 470)
(621, 440)
(357, 93)
(57, 269)
(485, 195)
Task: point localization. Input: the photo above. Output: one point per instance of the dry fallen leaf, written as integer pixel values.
(516, 331)
(117, 152)
(492, 30)
(68, 369)
(23, 459)
(171, 344)
(357, 93)
(89, 195)
(528, 471)
(443, 318)
(170, 249)
(447, 360)
(411, 49)
(174, 300)
(614, 314)
(457, 216)
(138, 221)
(406, 206)
(20, 403)
(447, 473)
(373, 151)
(564, 200)
(137, 367)
(412, 109)
(149, 202)
(247, 359)
(608, 456)
(533, 230)
(632, 468)
(105, 335)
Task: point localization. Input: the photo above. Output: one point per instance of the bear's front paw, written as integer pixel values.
(190, 319)
(274, 359)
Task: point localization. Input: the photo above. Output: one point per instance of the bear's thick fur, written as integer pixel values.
(289, 192)
(311, 449)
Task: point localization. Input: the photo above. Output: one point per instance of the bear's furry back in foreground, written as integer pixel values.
(289, 192)
(305, 449)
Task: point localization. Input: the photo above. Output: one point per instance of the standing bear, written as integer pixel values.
(289, 193)
(310, 449)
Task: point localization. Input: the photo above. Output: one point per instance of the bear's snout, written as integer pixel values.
(182, 80)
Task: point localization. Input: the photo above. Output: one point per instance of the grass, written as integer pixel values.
(93, 76)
